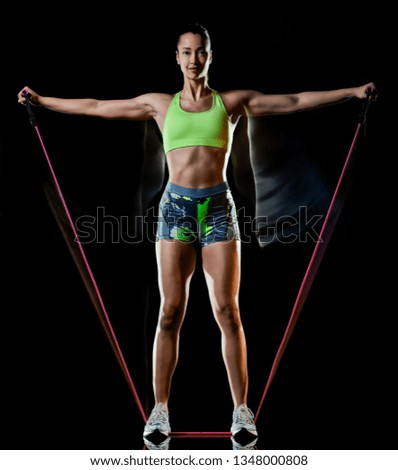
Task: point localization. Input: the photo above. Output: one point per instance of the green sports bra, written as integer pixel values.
(211, 128)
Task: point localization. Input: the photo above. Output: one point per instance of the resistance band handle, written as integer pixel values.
(32, 117)
(371, 92)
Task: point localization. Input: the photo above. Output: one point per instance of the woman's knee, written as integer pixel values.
(227, 315)
(171, 315)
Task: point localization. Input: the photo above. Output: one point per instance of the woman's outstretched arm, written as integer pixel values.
(140, 108)
(254, 103)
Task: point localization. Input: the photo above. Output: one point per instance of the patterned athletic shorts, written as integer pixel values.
(190, 215)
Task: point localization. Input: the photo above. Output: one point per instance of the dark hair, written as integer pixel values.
(194, 28)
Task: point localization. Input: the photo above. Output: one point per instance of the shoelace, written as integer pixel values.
(158, 416)
(244, 415)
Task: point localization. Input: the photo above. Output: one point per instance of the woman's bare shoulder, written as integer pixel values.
(236, 95)
(158, 97)
(234, 101)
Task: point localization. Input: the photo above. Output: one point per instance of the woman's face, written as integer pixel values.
(194, 56)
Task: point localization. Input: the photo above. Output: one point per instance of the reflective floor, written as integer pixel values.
(195, 443)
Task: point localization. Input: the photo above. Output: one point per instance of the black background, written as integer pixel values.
(61, 386)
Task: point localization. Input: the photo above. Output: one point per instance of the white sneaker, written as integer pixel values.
(158, 421)
(243, 418)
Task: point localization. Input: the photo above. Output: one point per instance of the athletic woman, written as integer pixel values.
(197, 208)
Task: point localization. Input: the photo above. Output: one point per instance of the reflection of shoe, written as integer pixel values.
(243, 419)
(163, 445)
(158, 421)
(249, 446)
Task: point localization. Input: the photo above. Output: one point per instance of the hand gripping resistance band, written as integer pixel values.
(96, 299)
(319, 250)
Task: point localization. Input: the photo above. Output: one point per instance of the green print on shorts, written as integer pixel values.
(204, 229)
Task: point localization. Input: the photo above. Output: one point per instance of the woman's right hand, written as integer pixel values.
(33, 96)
